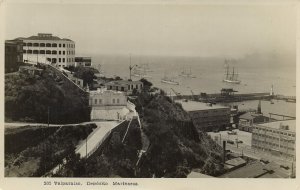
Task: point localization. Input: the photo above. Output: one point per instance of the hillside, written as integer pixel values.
(175, 146)
(28, 98)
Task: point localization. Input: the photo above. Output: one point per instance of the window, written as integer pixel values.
(54, 52)
(35, 51)
(48, 52)
(118, 101)
(64, 45)
(42, 44)
(113, 101)
(53, 60)
(48, 45)
(54, 45)
(42, 51)
(59, 52)
(59, 59)
(64, 52)
(100, 101)
(29, 51)
(63, 59)
(29, 44)
(59, 45)
(36, 44)
(95, 101)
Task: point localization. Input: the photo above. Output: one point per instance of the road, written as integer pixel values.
(22, 124)
(87, 146)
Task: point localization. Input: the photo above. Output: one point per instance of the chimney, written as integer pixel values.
(259, 108)
(224, 152)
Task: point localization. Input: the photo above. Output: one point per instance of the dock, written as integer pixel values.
(228, 95)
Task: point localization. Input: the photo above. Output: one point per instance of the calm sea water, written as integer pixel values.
(255, 75)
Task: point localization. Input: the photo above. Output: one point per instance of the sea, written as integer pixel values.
(257, 73)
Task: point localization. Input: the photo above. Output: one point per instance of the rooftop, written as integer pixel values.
(277, 124)
(249, 171)
(250, 115)
(104, 90)
(197, 106)
(43, 36)
(123, 82)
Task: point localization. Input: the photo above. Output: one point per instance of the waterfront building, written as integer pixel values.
(248, 119)
(276, 137)
(126, 86)
(13, 55)
(108, 104)
(83, 61)
(46, 48)
(207, 117)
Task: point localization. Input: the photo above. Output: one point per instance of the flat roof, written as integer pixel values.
(197, 106)
(194, 174)
(276, 124)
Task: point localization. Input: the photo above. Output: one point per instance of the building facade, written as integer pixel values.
(46, 48)
(13, 55)
(125, 86)
(276, 137)
(207, 117)
(247, 120)
(83, 61)
(108, 104)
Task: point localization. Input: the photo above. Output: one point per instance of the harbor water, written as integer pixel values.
(209, 73)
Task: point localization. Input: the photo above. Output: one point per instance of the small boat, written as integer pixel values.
(271, 102)
(168, 80)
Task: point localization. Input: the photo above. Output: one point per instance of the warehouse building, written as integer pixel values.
(207, 117)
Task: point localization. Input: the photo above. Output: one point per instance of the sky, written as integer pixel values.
(160, 28)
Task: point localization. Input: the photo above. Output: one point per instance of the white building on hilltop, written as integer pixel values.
(46, 48)
(110, 105)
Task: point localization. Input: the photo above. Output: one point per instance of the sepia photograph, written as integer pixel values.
(148, 89)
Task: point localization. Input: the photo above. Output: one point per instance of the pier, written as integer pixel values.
(228, 95)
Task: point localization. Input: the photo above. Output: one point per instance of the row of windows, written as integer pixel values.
(113, 101)
(48, 45)
(275, 131)
(61, 60)
(53, 52)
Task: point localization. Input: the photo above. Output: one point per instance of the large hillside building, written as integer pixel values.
(207, 117)
(46, 48)
(13, 55)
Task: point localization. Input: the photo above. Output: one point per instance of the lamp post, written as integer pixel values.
(130, 67)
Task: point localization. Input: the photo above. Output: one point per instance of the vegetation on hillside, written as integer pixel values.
(117, 158)
(37, 160)
(175, 146)
(29, 98)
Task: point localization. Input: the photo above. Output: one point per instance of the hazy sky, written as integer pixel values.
(160, 29)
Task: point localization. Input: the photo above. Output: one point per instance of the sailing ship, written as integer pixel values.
(168, 80)
(144, 68)
(186, 74)
(231, 77)
(140, 73)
